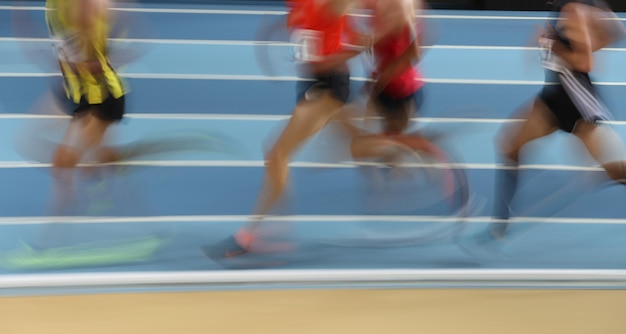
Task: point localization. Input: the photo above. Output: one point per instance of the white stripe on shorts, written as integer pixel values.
(588, 104)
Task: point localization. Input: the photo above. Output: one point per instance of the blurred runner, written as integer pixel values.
(568, 102)
(396, 93)
(321, 27)
(97, 93)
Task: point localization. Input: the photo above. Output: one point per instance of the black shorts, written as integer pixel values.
(397, 112)
(337, 81)
(392, 106)
(111, 110)
(572, 99)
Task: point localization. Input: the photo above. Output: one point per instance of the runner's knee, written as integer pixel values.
(65, 157)
(506, 149)
(276, 158)
(616, 171)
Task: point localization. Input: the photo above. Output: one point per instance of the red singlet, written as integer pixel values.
(387, 51)
(329, 29)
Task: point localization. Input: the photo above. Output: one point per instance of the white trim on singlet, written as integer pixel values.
(68, 47)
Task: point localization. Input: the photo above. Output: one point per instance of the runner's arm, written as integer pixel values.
(90, 11)
(577, 29)
(408, 59)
